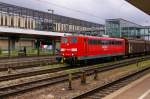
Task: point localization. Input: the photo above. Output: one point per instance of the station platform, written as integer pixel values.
(139, 89)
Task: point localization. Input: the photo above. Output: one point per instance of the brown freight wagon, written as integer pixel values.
(147, 47)
(136, 46)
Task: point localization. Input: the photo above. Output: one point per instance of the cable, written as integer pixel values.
(78, 11)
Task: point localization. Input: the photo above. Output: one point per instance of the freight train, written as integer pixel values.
(81, 48)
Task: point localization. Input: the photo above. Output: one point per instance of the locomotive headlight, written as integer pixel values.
(62, 49)
(74, 49)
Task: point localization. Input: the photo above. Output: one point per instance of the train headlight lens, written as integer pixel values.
(74, 49)
(62, 49)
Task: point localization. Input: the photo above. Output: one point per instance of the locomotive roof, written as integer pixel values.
(87, 36)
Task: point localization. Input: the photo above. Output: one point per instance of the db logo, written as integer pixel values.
(105, 47)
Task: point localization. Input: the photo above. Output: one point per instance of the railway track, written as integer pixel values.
(59, 77)
(31, 72)
(26, 63)
(3, 61)
(22, 57)
(111, 86)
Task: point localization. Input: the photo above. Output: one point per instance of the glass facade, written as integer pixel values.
(20, 17)
(122, 28)
(113, 28)
(145, 32)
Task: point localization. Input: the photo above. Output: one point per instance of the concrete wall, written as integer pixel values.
(22, 43)
(18, 44)
(3, 44)
(58, 45)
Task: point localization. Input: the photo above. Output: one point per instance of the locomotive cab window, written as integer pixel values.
(116, 42)
(73, 40)
(64, 40)
(105, 42)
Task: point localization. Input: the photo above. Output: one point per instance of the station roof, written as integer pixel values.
(143, 5)
(18, 31)
(43, 14)
(38, 15)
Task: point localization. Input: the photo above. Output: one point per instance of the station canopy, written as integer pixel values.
(143, 5)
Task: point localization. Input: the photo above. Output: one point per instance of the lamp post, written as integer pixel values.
(52, 21)
(52, 14)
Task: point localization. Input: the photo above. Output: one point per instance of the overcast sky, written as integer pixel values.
(90, 10)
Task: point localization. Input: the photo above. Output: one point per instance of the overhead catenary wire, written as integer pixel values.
(74, 10)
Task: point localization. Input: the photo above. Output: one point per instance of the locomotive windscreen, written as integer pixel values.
(73, 40)
(64, 40)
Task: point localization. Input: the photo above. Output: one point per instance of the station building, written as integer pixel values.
(145, 31)
(123, 28)
(143, 5)
(23, 27)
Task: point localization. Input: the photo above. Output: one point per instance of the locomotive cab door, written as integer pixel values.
(85, 47)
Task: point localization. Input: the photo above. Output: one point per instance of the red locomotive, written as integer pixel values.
(75, 49)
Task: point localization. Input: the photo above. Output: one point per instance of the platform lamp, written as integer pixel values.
(52, 17)
(52, 14)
